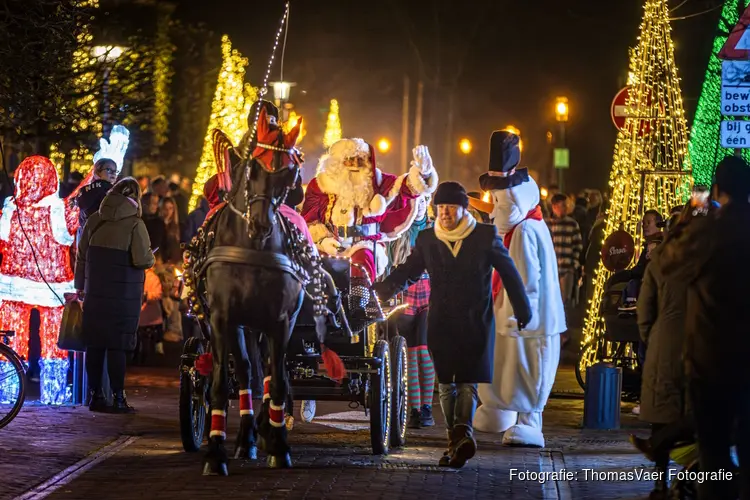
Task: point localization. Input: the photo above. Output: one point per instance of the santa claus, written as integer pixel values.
(525, 360)
(352, 207)
(36, 232)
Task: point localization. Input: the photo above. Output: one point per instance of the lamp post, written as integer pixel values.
(281, 93)
(106, 54)
(561, 152)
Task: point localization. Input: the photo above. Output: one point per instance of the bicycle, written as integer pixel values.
(12, 380)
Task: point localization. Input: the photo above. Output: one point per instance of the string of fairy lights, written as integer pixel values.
(705, 145)
(651, 168)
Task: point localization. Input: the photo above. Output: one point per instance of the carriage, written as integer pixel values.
(376, 366)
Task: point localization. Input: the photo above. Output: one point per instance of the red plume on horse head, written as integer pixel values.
(268, 143)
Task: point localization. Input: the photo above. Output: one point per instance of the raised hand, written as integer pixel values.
(422, 160)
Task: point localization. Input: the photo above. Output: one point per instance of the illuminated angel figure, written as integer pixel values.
(36, 232)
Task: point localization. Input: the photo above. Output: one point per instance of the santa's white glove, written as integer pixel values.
(329, 246)
(422, 160)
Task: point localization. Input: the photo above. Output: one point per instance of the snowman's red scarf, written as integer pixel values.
(497, 283)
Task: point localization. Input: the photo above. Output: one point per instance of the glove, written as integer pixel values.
(523, 323)
(422, 160)
(329, 246)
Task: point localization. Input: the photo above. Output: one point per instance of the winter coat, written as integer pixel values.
(89, 199)
(112, 255)
(195, 220)
(460, 322)
(157, 232)
(661, 321)
(711, 256)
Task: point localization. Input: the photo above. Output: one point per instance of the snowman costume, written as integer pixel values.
(525, 362)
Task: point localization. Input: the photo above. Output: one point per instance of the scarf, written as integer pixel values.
(458, 234)
(497, 283)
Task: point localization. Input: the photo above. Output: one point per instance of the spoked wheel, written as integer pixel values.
(193, 399)
(12, 385)
(379, 400)
(400, 388)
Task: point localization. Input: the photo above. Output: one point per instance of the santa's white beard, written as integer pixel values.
(352, 189)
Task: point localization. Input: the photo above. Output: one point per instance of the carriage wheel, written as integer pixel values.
(400, 390)
(193, 401)
(379, 400)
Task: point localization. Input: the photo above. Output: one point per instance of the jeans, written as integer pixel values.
(567, 287)
(458, 402)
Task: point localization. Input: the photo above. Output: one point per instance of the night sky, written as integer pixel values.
(509, 60)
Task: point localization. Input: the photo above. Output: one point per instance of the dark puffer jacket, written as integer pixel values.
(113, 252)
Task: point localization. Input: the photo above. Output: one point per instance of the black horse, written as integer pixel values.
(253, 286)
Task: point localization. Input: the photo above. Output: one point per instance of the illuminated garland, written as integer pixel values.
(229, 110)
(162, 77)
(650, 170)
(333, 127)
(705, 142)
(81, 157)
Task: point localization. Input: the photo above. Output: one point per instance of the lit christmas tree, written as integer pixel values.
(229, 110)
(651, 169)
(292, 122)
(705, 142)
(333, 127)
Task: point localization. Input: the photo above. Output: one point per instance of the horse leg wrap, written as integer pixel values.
(218, 424)
(246, 402)
(276, 415)
(266, 389)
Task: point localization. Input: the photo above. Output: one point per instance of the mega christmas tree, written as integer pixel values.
(705, 143)
(229, 110)
(651, 169)
(333, 127)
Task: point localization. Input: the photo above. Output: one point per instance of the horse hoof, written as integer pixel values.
(249, 453)
(215, 469)
(280, 462)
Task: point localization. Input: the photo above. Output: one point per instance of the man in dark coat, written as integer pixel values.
(459, 254)
(711, 256)
(113, 253)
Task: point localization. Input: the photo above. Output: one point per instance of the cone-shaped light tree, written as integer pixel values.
(229, 110)
(651, 169)
(705, 141)
(333, 127)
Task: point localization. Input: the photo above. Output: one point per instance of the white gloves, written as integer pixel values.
(422, 160)
(329, 246)
(115, 148)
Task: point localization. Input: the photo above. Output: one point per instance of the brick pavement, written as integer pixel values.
(329, 463)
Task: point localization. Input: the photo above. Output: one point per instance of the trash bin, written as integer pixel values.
(601, 403)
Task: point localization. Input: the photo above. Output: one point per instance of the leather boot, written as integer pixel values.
(466, 446)
(97, 401)
(445, 460)
(120, 403)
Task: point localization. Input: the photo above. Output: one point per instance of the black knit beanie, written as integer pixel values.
(451, 193)
(732, 177)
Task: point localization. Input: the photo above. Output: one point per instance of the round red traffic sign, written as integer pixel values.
(618, 108)
(618, 113)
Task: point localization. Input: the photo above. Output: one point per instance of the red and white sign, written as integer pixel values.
(737, 46)
(618, 112)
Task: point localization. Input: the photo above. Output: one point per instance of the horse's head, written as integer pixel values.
(271, 171)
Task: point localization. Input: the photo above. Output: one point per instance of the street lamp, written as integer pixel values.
(465, 146)
(281, 93)
(561, 154)
(106, 54)
(384, 145)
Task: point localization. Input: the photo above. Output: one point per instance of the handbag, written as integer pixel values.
(71, 331)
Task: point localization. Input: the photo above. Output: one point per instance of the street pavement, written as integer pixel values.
(70, 453)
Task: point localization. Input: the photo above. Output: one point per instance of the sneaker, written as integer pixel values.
(159, 348)
(636, 410)
(630, 305)
(425, 416)
(415, 419)
(307, 412)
